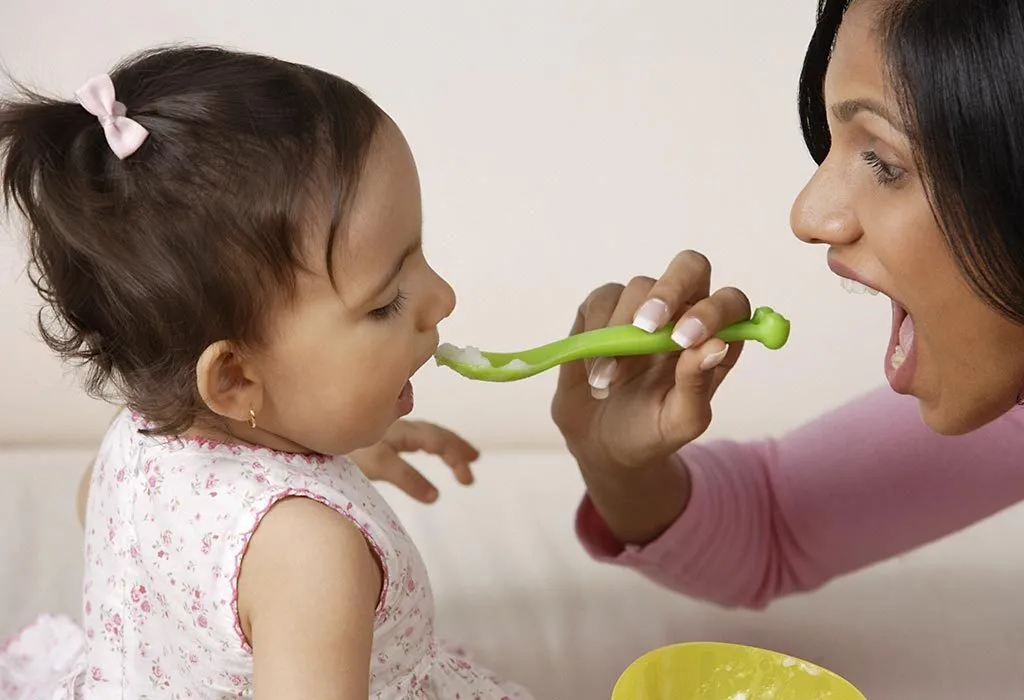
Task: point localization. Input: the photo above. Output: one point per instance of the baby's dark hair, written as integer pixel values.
(144, 262)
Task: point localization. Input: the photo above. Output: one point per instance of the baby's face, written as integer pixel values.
(337, 362)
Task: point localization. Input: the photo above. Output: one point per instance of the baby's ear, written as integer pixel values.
(227, 382)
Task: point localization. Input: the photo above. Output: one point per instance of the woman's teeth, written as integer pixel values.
(855, 287)
(904, 341)
(898, 357)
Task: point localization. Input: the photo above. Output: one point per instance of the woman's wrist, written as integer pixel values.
(637, 504)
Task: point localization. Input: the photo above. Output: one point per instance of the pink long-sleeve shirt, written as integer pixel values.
(861, 484)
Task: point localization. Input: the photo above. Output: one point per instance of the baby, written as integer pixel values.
(231, 246)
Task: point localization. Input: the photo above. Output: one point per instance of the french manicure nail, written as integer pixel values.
(714, 359)
(599, 394)
(688, 333)
(601, 374)
(651, 316)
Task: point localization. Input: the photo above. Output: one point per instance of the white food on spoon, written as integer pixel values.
(469, 356)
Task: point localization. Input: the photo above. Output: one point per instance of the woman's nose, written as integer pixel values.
(822, 212)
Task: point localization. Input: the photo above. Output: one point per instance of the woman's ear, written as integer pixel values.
(227, 382)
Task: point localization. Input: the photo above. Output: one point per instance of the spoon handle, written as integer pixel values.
(765, 326)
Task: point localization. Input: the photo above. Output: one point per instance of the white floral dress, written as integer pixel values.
(168, 522)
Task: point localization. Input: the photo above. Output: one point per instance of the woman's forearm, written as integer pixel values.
(638, 504)
(758, 520)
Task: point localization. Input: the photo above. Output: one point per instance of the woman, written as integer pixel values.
(914, 112)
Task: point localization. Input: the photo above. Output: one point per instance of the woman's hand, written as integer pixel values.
(383, 461)
(635, 412)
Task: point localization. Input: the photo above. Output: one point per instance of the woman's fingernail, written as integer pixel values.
(652, 315)
(601, 378)
(601, 375)
(688, 333)
(714, 359)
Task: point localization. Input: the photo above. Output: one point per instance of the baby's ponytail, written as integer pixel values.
(55, 171)
(37, 134)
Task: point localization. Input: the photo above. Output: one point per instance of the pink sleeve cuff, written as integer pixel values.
(706, 553)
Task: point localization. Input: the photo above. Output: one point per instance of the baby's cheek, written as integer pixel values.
(353, 390)
(371, 384)
(361, 421)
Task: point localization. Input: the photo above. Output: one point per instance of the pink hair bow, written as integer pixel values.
(123, 134)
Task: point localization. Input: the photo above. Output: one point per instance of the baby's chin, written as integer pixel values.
(367, 436)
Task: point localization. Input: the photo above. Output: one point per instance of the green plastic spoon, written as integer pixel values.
(765, 326)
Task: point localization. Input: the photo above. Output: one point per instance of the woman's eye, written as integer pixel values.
(885, 173)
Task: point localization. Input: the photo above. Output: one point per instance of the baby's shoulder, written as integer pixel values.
(212, 485)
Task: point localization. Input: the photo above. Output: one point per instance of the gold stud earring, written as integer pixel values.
(252, 419)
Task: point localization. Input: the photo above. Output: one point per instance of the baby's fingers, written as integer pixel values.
(406, 477)
(384, 464)
(455, 450)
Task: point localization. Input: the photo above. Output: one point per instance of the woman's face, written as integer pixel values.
(961, 359)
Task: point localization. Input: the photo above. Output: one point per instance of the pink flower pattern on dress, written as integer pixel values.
(167, 526)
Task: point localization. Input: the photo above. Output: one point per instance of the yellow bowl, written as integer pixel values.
(717, 671)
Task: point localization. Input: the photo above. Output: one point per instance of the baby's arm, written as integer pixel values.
(383, 461)
(82, 499)
(83, 494)
(307, 595)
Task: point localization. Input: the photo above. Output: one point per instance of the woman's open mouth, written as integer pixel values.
(901, 353)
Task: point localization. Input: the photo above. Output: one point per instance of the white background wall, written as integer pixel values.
(561, 144)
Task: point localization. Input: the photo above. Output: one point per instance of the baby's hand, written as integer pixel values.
(381, 462)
